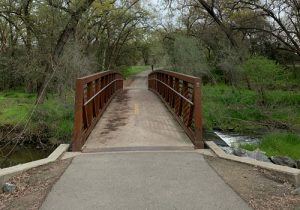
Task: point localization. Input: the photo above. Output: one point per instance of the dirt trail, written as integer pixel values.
(257, 187)
(32, 186)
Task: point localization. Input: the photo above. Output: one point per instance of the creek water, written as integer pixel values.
(27, 153)
(22, 154)
(236, 139)
(230, 139)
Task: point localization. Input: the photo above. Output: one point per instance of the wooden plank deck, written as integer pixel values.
(136, 119)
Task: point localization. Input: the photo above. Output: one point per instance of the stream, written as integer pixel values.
(22, 154)
(235, 139)
(230, 139)
(27, 153)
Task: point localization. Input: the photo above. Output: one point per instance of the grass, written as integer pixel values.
(278, 144)
(249, 147)
(133, 70)
(223, 107)
(14, 106)
(51, 120)
(237, 110)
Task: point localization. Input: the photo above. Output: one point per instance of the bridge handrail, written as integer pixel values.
(93, 94)
(181, 94)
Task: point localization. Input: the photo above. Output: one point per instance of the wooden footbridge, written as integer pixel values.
(137, 146)
(109, 116)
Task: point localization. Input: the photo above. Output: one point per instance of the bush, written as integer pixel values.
(261, 74)
(229, 109)
(51, 120)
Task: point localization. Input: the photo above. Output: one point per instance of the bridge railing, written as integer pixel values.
(93, 95)
(182, 95)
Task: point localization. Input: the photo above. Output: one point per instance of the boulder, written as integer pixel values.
(284, 161)
(8, 187)
(298, 164)
(240, 152)
(257, 154)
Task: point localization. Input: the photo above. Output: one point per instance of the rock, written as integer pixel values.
(8, 187)
(227, 150)
(284, 161)
(298, 164)
(259, 155)
(240, 152)
(296, 191)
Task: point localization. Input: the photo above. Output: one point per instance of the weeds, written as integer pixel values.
(236, 110)
(282, 144)
(53, 119)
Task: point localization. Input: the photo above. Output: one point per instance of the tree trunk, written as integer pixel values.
(226, 30)
(58, 50)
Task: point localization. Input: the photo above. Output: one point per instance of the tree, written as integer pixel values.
(34, 36)
(283, 17)
(262, 73)
(69, 29)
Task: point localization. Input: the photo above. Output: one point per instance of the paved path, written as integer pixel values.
(137, 120)
(146, 173)
(142, 181)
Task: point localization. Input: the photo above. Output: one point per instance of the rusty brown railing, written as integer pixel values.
(93, 94)
(182, 95)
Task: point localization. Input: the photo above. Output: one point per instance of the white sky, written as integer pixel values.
(162, 13)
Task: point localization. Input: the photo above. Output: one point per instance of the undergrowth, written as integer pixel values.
(51, 120)
(278, 144)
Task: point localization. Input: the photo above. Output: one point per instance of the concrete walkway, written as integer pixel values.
(137, 120)
(141, 180)
(151, 163)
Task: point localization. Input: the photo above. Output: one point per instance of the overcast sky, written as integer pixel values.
(160, 10)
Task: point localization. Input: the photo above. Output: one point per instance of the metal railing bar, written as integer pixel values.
(100, 91)
(189, 101)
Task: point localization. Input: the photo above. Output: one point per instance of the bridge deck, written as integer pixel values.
(137, 120)
(142, 180)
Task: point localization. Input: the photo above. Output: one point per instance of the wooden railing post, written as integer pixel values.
(98, 100)
(121, 82)
(93, 95)
(177, 98)
(156, 86)
(102, 97)
(76, 143)
(182, 95)
(197, 114)
(90, 106)
(172, 94)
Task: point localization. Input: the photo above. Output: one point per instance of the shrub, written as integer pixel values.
(261, 73)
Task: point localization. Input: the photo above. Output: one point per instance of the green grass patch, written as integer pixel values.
(237, 109)
(15, 105)
(249, 147)
(53, 119)
(278, 144)
(133, 70)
